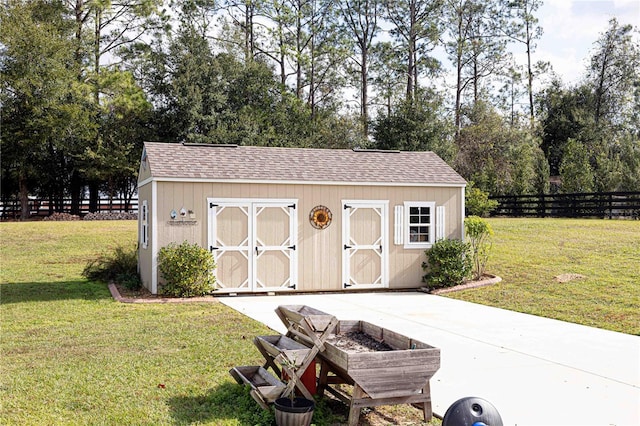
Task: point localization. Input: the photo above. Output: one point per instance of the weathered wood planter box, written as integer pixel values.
(264, 387)
(385, 367)
(402, 369)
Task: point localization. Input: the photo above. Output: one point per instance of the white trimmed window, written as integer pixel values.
(144, 225)
(419, 224)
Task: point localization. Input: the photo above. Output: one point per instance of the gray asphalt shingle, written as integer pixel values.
(254, 163)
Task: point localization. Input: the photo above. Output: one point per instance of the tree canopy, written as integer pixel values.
(85, 83)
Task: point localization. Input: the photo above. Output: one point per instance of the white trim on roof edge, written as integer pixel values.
(299, 182)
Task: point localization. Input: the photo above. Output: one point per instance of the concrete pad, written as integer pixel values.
(535, 371)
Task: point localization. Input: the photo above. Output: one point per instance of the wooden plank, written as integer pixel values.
(417, 344)
(348, 326)
(276, 345)
(319, 322)
(430, 358)
(257, 398)
(282, 342)
(395, 340)
(374, 402)
(376, 332)
(354, 409)
(390, 386)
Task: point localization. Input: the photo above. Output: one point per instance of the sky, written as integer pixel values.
(572, 27)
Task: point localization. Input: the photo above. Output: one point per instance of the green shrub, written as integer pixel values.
(479, 233)
(448, 264)
(186, 269)
(120, 266)
(477, 201)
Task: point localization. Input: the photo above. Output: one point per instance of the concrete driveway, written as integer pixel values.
(535, 371)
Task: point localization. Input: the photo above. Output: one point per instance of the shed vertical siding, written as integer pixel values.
(320, 251)
(145, 254)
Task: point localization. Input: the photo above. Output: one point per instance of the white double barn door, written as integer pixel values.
(255, 244)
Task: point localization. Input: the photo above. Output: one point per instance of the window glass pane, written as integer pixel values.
(419, 222)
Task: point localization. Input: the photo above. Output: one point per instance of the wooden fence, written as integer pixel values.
(39, 207)
(609, 205)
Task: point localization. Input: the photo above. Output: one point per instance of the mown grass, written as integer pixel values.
(529, 253)
(71, 355)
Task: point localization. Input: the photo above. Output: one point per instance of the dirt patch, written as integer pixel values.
(357, 341)
(565, 278)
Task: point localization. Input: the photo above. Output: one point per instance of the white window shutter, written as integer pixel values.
(398, 229)
(440, 223)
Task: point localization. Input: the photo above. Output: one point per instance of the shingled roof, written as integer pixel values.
(305, 165)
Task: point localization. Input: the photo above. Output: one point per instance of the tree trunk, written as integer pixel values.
(76, 189)
(24, 197)
(529, 73)
(364, 110)
(412, 49)
(94, 196)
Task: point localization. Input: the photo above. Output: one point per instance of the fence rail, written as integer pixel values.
(600, 204)
(609, 205)
(38, 207)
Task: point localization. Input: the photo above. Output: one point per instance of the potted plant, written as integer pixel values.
(291, 410)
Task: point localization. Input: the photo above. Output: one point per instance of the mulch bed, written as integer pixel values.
(124, 295)
(485, 281)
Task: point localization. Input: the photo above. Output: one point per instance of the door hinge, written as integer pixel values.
(292, 206)
(211, 205)
(293, 247)
(345, 285)
(346, 247)
(292, 286)
(346, 206)
(212, 248)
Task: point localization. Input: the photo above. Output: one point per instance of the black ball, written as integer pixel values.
(472, 411)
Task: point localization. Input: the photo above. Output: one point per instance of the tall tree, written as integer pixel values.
(308, 46)
(416, 124)
(497, 157)
(474, 45)
(416, 25)
(521, 25)
(564, 113)
(361, 22)
(43, 103)
(389, 71)
(102, 29)
(613, 72)
(244, 17)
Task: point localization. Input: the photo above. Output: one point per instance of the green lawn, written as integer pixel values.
(70, 354)
(529, 253)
